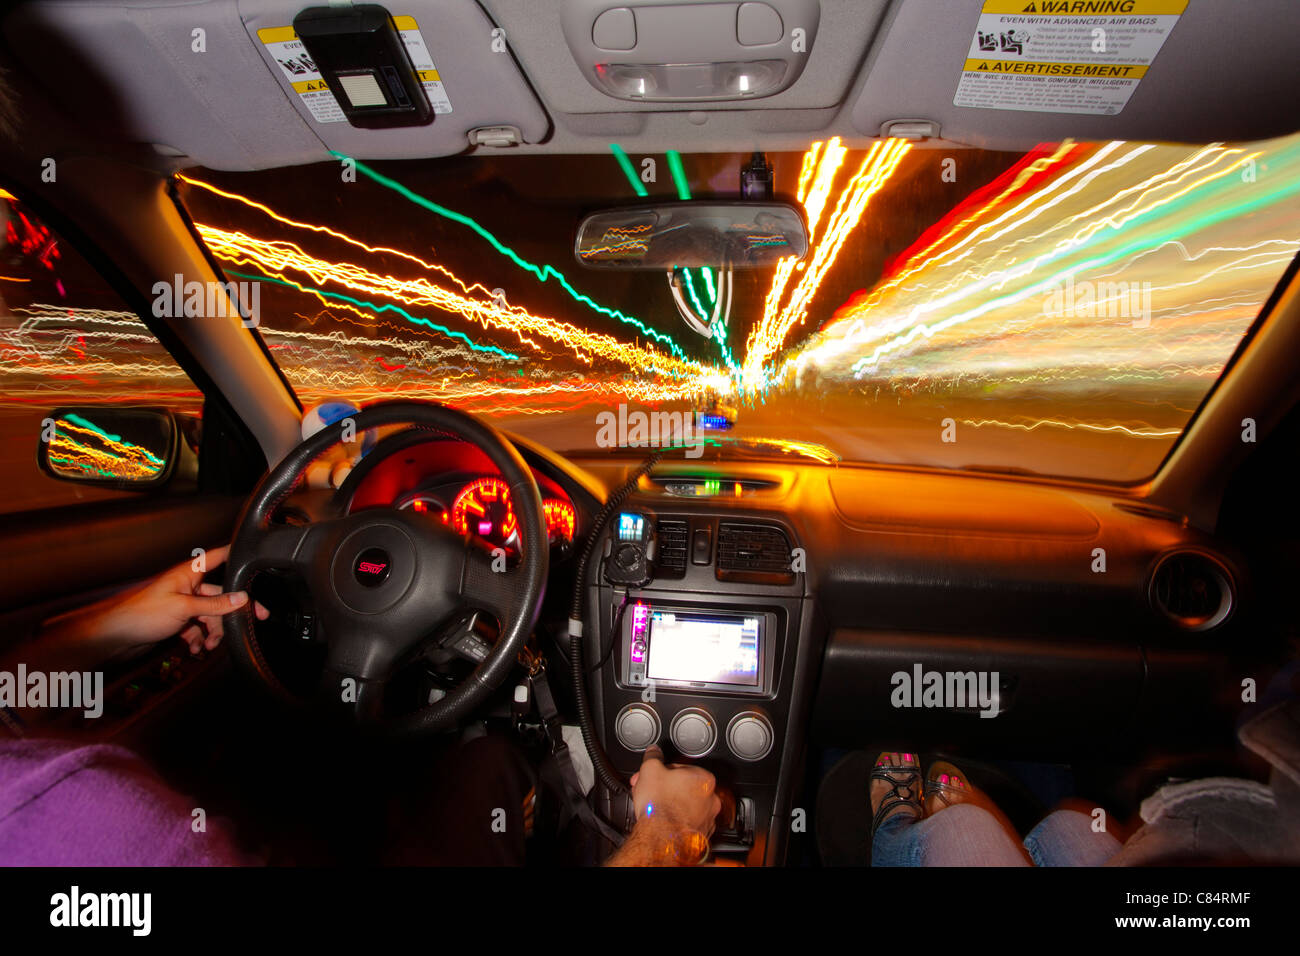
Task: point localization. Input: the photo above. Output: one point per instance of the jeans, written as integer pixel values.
(968, 835)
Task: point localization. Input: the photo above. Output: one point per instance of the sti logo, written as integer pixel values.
(372, 567)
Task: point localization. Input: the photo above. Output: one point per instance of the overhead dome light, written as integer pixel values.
(690, 52)
(690, 81)
(627, 81)
(758, 78)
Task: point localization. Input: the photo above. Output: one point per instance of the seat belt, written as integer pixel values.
(558, 767)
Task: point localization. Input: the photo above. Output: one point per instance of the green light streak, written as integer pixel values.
(415, 320)
(628, 170)
(708, 282)
(690, 289)
(542, 273)
(679, 175)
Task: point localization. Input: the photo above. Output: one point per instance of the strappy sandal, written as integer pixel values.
(948, 785)
(905, 788)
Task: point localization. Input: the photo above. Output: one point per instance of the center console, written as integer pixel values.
(700, 622)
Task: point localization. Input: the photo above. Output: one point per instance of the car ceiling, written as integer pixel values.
(124, 71)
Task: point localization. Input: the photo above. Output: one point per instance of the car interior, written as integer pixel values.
(721, 369)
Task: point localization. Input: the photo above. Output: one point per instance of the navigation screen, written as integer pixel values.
(630, 526)
(703, 648)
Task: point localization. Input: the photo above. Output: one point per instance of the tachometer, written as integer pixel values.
(483, 508)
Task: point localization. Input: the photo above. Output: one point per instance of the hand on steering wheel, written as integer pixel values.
(385, 581)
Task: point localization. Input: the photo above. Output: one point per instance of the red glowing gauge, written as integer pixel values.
(560, 519)
(483, 509)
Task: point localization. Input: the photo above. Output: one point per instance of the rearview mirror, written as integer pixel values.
(123, 447)
(739, 235)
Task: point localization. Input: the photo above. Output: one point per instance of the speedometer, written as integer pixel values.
(483, 509)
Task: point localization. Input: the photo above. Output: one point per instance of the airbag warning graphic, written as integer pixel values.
(1063, 56)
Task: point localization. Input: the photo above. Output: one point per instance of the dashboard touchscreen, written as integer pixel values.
(704, 648)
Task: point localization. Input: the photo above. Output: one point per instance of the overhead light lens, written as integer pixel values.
(756, 78)
(691, 81)
(627, 81)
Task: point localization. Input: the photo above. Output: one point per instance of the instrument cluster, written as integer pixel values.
(481, 508)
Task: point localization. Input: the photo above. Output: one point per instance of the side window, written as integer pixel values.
(86, 390)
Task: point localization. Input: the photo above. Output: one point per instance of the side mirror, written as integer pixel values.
(124, 447)
(691, 235)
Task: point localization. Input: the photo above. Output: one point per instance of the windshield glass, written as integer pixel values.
(1061, 312)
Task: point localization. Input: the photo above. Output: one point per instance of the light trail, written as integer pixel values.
(877, 167)
(542, 273)
(274, 258)
(1142, 431)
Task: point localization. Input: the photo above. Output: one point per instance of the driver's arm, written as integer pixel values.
(675, 811)
(177, 601)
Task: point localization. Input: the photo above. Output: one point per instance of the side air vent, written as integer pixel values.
(753, 551)
(1193, 590)
(670, 548)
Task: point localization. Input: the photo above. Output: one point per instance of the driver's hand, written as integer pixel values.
(178, 600)
(682, 796)
(675, 811)
(175, 602)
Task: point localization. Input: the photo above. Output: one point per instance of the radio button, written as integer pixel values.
(637, 727)
(750, 736)
(693, 732)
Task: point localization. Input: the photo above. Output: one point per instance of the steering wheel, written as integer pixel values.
(385, 583)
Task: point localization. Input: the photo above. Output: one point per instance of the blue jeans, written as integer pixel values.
(967, 835)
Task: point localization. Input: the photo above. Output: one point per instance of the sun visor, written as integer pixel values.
(182, 77)
(463, 60)
(218, 81)
(1008, 74)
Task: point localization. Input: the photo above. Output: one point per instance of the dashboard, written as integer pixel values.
(773, 605)
(457, 484)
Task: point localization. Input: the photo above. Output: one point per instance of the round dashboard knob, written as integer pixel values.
(693, 732)
(750, 735)
(636, 726)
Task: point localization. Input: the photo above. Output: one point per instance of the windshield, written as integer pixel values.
(1062, 311)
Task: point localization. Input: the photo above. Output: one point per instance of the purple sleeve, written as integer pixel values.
(63, 804)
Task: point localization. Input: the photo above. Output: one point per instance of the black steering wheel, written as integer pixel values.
(386, 582)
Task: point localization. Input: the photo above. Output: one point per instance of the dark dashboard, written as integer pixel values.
(788, 596)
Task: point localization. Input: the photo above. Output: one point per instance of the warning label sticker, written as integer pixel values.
(1063, 56)
(288, 51)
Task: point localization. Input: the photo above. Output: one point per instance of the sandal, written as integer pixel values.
(948, 786)
(905, 788)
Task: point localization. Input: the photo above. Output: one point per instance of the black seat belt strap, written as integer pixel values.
(560, 765)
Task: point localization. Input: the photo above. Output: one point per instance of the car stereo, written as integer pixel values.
(697, 649)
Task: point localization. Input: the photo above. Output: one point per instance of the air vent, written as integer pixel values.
(1193, 590)
(670, 548)
(753, 550)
